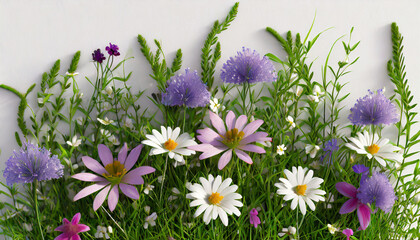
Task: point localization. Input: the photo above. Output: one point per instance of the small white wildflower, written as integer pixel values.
(74, 141)
(416, 198)
(148, 188)
(176, 192)
(291, 231)
(114, 140)
(160, 178)
(72, 74)
(252, 118)
(311, 150)
(80, 95)
(75, 166)
(332, 229)
(150, 220)
(105, 121)
(102, 232)
(281, 149)
(104, 132)
(329, 199)
(49, 229)
(215, 106)
(28, 227)
(107, 106)
(80, 120)
(265, 143)
(147, 209)
(315, 165)
(291, 121)
(128, 123)
(181, 163)
(317, 93)
(108, 90)
(40, 100)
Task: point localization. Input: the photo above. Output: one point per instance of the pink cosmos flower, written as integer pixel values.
(253, 218)
(363, 211)
(236, 136)
(115, 174)
(71, 229)
(348, 232)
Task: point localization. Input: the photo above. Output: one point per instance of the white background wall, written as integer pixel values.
(34, 33)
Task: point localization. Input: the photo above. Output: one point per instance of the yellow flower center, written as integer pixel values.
(232, 138)
(215, 198)
(372, 149)
(115, 171)
(170, 144)
(301, 189)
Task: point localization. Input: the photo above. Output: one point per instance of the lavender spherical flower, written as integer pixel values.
(98, 56)
(373, 109)
(186, 89)
(112, 50)
(249, 67)
(377, 189)
(32, 163)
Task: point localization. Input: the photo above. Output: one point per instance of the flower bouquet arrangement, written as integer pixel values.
(259, 150)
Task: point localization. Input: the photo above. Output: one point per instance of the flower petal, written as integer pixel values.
(346, 189)
(129, 191)
(349, 206)
(113, 198)
(217, 123)
(363, 213)
(224, 159)
(88, 177)
(243, 156)
(76, 218)
(252, 148)
(122, 155)
(105, 154)
(89, 190)
(93, 165)
(100, 198)
(230, 120)
(240, 122)
(132, 157)
(252, 127)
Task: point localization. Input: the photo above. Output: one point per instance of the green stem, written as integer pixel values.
(122, 230)
(163, 178)
(34, 188)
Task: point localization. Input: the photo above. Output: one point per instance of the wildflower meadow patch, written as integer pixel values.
(255, 151)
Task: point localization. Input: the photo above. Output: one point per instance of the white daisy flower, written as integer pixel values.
(105, 121)
(148, 188)
(301, 188)
(150, 220)
(332, 229)
(171, 142)
(291, 231)
(214, 198)
(311, 150)
(372, 146)
(102, 232)
(281, 149)
(291, 121)
(74, 141)
(215, 106)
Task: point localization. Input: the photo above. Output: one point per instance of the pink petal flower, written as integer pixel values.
(253, 218)
(71, 229)
(224, 159)
(93, 165)
(348, 232)
(217, 123)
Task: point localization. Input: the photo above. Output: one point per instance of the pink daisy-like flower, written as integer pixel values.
(236, 136)
(115, 174)
(71, 229)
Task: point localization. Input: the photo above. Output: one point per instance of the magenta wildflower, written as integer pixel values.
(186, 89)
(97, 56)
(112, 50)
(373, 109)
(113, 175)
(348, 232)
(31, 163)
(253, 218)
(248, 67)
(236, 136)
(71, 229)
(377, 189)
(363, 211)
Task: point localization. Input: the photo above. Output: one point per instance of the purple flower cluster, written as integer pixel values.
(330, 147)
(377, 189)
(32, 163)
(249, 67)
(98, 56)
(186, 89)
(373, 109)
(112, 50)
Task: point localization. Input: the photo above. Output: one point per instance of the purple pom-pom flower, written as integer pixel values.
(186, 89)
(373, 109)
(98, 56)
(112, 50)
(377, 189)
(248, 67)
(32, 163)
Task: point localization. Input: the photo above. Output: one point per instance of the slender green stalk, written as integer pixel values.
(34, 191)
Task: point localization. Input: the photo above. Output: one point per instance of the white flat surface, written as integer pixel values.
(34, 33)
